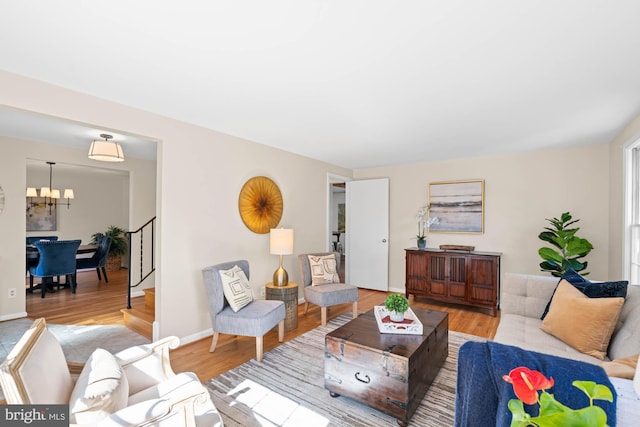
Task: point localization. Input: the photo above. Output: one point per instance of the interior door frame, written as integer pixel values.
(332, 178)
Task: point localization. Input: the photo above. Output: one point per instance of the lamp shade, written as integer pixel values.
(68, 193)
(31, 192)
(106, 151)
(281, 241)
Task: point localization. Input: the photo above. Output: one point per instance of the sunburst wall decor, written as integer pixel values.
(260, 204)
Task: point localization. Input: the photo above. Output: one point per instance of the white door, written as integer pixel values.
(367, 228)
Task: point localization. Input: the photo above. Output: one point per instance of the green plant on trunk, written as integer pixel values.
(568, 250)
(397, 303)
(119, 243)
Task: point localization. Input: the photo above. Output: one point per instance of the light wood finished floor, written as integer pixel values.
(99, 303)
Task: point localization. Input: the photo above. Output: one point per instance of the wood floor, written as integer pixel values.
(99, 303)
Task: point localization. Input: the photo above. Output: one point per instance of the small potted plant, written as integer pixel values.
(119, 246)
(397, 305)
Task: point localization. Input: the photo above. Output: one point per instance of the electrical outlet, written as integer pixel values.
(12, 292)
(262, 292)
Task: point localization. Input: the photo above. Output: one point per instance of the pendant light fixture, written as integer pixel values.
(106, 151)
(50, 194)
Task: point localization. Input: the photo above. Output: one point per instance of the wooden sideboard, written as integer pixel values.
(468, 278)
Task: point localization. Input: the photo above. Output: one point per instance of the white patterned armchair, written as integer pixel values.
(135, 387)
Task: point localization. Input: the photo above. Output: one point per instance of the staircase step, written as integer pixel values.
(150, 299)
(140, 321)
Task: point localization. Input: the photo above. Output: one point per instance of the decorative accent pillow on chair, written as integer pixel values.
(102, 389)
(323, 269)
(236, 288)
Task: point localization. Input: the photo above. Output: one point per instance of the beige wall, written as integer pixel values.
(200, 173)
(101, 198)
(521, 190)
(629, 135)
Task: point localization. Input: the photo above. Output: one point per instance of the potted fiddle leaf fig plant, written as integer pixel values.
(119, 246)
(397, 305)
(568, 249)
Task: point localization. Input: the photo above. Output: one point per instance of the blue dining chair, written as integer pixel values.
(56, 258)
(98, 260)
(32, 239)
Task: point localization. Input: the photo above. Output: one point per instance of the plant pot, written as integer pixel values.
(395, 316)
(422, 243)
(114, 263)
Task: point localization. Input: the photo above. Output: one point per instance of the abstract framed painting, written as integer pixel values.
(40, 216)
(459, 206)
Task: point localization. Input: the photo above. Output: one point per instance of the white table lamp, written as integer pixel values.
(281, 243)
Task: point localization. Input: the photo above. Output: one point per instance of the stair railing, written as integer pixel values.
(147, 254)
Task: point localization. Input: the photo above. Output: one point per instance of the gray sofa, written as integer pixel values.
(523, 300)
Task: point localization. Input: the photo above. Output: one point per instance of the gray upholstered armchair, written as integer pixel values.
(253, 320)
(327, 294)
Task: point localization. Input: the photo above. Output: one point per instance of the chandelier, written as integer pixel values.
(50, 194)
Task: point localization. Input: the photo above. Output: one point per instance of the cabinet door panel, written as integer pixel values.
(457, 277)
(416, 272)
(482, 281)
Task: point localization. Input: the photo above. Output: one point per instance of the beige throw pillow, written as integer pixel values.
(621, 368)
(636, 380)
(323, 269)
(236, 288)
(102, 389)
(584, 323)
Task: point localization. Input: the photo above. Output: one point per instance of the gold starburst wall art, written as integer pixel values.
(260, 204)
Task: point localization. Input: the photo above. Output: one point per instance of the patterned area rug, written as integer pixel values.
(78, 342)
(287, 389)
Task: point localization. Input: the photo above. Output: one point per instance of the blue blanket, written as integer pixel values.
(482, 395)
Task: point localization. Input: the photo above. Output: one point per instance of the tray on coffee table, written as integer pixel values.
(410, 326)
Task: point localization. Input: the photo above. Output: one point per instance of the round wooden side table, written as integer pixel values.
(289, 295)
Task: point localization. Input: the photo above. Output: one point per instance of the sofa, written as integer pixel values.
(523, 301)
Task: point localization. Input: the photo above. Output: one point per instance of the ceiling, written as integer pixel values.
(355, 83)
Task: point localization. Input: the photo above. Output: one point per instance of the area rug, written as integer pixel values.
(287, 389)
(78, 342)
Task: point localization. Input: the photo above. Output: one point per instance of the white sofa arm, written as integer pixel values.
(177, 402)
(526, 294)
(155, 412)
(148, 364)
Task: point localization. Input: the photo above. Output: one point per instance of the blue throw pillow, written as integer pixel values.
(592, 289)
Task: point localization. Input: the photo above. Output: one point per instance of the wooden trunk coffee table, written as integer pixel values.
(389, 372)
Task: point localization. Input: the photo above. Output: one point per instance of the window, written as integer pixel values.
(632, 214)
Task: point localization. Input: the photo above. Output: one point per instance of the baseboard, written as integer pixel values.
(397, 290)
(13, 316)
(195, 337)
(137, 294)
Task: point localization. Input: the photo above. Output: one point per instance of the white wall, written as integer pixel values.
(200, 173)
(521, 190)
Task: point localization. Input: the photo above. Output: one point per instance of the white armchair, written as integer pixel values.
(135, 387)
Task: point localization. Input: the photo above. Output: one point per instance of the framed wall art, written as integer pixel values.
(40, 216)
(459, 206)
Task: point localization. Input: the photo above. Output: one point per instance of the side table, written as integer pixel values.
(289, 295)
